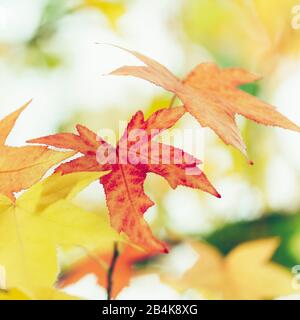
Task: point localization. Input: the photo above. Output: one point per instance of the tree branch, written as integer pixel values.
(110, 271)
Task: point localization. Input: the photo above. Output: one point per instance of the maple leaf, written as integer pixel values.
(245, 273)
(98, 264)
(212, 96)
(123, 186)
(38, 294)
(42, 219)
(21, 167)
(13, 294)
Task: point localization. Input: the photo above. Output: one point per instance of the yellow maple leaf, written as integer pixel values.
(40, 221)
(13, 294)
(245, 273)
(38, 294)
(21, 167)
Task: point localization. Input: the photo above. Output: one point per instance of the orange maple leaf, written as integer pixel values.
(98, 265)
(21, 167)
(124, 185)
(245, 273)
(212, 96)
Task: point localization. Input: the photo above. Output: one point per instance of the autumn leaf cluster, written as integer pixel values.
(43, 218)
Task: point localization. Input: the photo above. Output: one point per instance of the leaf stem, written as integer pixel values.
(110, 271)
(172, 102)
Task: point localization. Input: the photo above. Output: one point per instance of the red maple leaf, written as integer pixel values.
(135, 155)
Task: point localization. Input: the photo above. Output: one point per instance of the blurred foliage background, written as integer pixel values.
(49, 51)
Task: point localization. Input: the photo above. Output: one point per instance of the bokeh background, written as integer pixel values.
(49, 51)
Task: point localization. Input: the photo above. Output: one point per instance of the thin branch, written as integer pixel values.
(111, 269)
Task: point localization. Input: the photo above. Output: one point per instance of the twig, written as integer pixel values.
(110, 271)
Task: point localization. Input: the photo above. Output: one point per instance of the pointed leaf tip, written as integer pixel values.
(7, 124)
